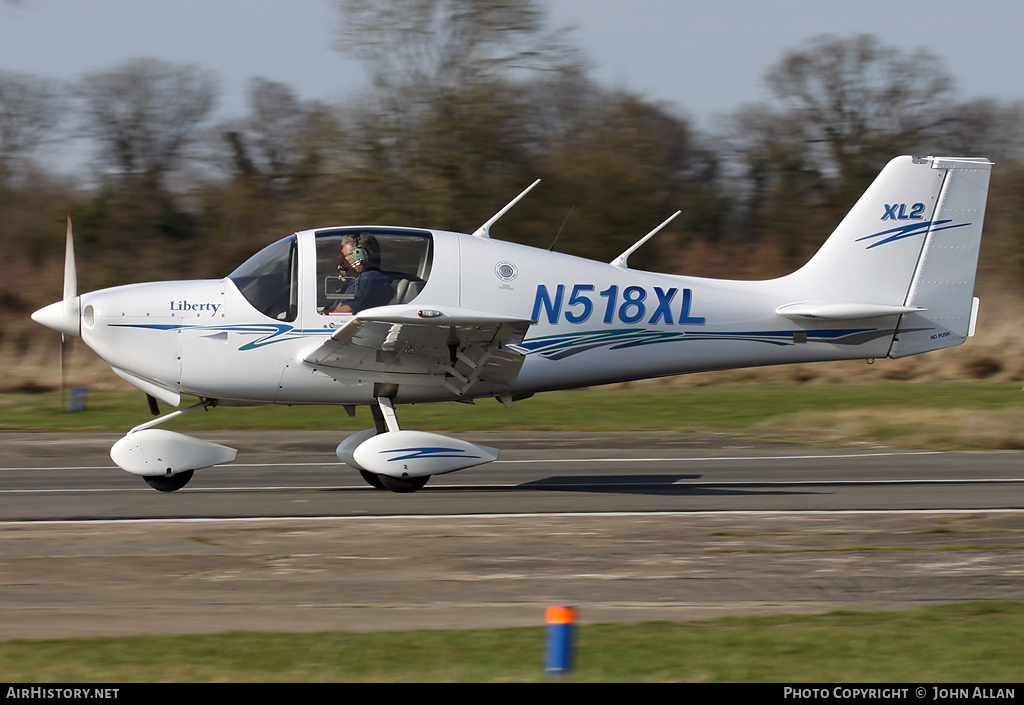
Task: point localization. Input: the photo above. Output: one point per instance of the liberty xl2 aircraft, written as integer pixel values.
(471, 317)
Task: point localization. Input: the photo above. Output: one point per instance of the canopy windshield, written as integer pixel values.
(269, 280)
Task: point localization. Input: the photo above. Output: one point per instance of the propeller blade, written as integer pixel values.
(72, 318)
(64, 316)
(70, 274)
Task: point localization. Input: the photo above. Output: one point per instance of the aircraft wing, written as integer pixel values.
(451, 346)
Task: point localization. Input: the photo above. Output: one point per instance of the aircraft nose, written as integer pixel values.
(59, 317)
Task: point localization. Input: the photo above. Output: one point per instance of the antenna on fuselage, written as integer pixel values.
(620, 261)
(485, 229)
(551, 247)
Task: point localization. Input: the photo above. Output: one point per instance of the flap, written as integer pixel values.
(446, 345)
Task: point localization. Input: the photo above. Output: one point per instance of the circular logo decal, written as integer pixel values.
(505, 271)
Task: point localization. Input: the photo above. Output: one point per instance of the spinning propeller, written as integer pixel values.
(64, 316)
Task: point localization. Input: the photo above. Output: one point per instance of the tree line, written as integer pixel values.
(469, 101)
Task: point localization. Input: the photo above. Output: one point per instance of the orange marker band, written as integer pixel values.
(560, 615)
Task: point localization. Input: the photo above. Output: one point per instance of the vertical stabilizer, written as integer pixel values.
(908, 247)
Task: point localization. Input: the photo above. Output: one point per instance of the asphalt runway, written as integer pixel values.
(627, 526)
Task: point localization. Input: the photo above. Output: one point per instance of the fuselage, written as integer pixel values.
(243, 339)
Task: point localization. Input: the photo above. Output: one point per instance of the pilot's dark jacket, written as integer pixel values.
(371, 288)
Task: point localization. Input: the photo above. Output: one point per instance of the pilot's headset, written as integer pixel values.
(359, 255)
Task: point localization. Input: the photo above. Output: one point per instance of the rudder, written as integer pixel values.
(943, 282)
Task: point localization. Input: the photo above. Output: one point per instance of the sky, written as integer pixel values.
(704, 58)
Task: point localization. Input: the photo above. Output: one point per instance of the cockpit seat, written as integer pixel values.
(404, 288)
(415, 286)
(399, 287)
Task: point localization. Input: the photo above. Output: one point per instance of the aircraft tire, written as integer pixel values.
(372, 479)
(169, 484)
(403, 484)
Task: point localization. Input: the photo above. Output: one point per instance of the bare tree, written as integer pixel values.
(442, 44)
(987, 128)
(841, 109)
(443, 117)
(858, 101)
(280, 133)
(146, 113)
(31, 110)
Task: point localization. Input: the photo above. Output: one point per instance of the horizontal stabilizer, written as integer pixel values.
(841, 312)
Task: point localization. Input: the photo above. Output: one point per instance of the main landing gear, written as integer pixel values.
(389, 458)
(386, 420)
(394, 484)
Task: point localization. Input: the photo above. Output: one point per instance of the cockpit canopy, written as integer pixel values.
(402, 256)
(270, 279)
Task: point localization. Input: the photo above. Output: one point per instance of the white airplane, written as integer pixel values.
(459, 317)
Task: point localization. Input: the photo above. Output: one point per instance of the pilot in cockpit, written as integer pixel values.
(367, 286)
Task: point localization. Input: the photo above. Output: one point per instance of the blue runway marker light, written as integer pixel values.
(561, 623)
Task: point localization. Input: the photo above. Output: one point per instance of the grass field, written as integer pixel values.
(944, 415)
(967, 643)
